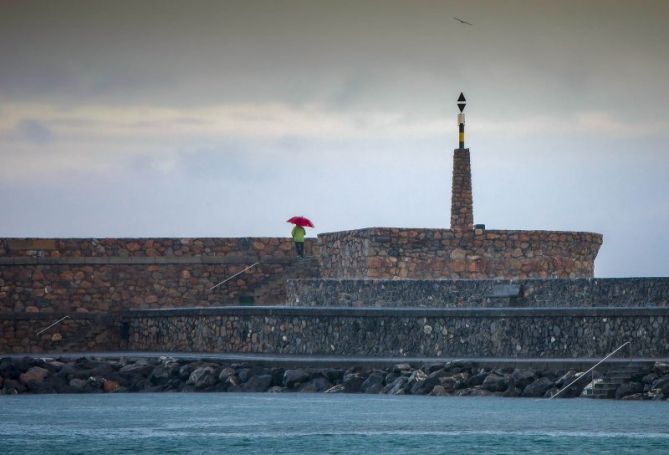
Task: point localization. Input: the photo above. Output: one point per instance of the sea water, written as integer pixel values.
(305, 423)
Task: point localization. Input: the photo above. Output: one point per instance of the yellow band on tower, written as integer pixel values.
(461, 136)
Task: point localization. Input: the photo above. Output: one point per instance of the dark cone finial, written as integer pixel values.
(461, 102)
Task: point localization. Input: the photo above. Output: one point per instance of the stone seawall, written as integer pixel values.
(102, 275)
(515, 333)
(595, 292)
(441, 253)
(82, 332)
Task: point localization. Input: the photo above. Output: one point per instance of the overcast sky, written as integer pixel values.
(191, 118)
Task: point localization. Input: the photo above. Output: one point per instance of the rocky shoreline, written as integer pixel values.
(92, 375)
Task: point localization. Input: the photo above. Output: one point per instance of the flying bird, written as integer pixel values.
(461, 21)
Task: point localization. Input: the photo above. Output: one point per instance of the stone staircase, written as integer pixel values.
(272, 291)
(617, 375)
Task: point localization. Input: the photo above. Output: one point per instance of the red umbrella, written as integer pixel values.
(301, 221)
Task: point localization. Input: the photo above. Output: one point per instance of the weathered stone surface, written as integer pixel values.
(78, 385)
(110, 386)
(373, 383)
(519, 333)
(538, 388)
(438, 391)
(258, 383)
(34, 374)
(226, 373)
(512, 392)
(352, 382)
(389, 253)
(398, 386)
(629, 388)
(202, 377)
(135, 369)
(495, 383)
(521, 378)
(475, 293)
(75, 377)
(102, 275)
(316, 384)
(477, 379)
(293, 377)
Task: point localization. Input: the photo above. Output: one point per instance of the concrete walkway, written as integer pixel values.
(341, 361)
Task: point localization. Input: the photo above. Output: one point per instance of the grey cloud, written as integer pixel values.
(519, 57)
(224, 161)
(33, 131)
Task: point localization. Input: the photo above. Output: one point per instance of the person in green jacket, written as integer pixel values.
(298, 234)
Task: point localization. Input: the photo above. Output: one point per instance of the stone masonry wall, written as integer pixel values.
(393, 253)
(101, 275)
(149, 247)
(462, 205)
(584, 292)
(515, 333)
(78, 333)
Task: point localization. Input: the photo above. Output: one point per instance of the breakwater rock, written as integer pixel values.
(165, 374)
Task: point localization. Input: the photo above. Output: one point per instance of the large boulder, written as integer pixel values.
(538, 388)
(512, 392)
(293, 377)
(132, 370)
(316, 384)
(495, 383)
(476, 379)
(629, 388)
(34, 375)
(186, 370)
(14, 386)
(226, 373)
(103, 369)
(202, 377)
(522, 378)
(660, 382)
(438, 391)
(433, 379)
(397, 387)
(334, 375)
(661, 368)
(649, 378)
(244, 374)
(352, 382)
(78, 385)
(373, 383)
(258, 383)
(162, 373)
(9, 369)
(110, 386)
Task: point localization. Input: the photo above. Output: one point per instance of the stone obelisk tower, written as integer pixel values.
(462, 209)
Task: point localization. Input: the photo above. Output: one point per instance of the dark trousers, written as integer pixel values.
(299, 246)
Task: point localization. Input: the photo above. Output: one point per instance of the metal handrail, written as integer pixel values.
(595, 366)
(232, 276)
(39, 332)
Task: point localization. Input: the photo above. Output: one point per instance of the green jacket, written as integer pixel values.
(298, 234)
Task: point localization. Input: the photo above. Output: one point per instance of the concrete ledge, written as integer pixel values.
(348, 361)
(55, 316)
(142, 260)
(593, 312)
